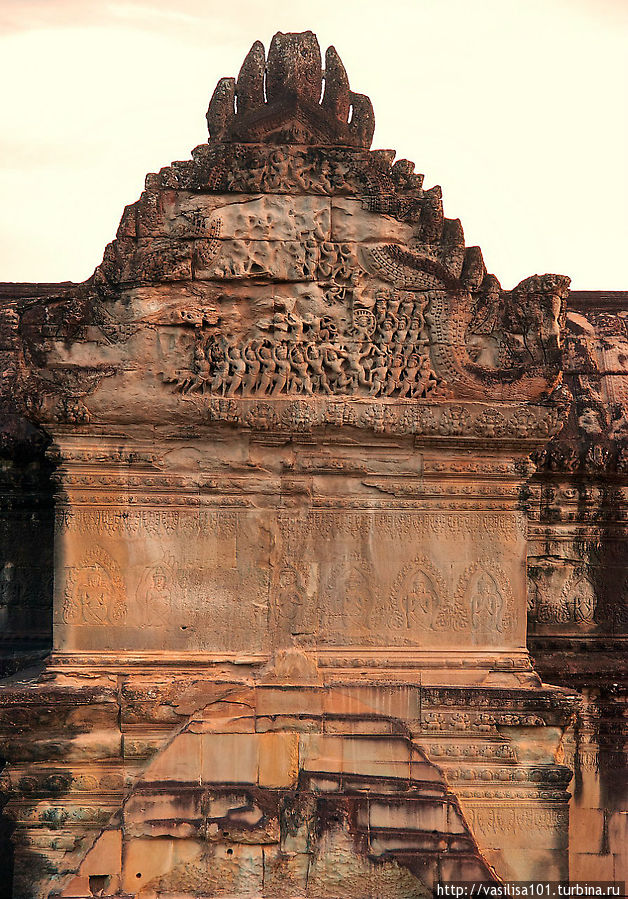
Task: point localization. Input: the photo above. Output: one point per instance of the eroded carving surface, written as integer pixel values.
(289, 421)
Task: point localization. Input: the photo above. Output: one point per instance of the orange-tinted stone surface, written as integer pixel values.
(314, 568)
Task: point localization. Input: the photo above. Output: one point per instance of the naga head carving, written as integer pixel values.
(534, 316)
(287, 98)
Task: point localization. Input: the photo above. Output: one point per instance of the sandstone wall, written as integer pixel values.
(292, 489)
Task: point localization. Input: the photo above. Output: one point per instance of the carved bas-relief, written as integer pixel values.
(578, 602)
(290, 422)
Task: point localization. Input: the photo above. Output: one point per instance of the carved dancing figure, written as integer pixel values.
(238, 369)
(294, 327)
(407, 305)
(221, 368)
(300, 376)
(417, 323)
(355, 370)
(394, 374)
(402, 330)
(201, 362)
(426, 379)
(387, 329)
(268, 366)
(202, 367)
(380, 309)
(252, 369)
(412, 371)
(282, 368)
(333, 358)
(315, 360)
(379, 373)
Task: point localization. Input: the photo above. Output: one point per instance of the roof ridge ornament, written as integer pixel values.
(287, 98)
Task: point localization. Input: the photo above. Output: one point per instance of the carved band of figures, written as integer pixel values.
(384, 352)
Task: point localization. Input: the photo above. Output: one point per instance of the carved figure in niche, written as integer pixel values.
(291, 596)
(584, 601)
(551, 613)
(10, 586)
(576, 604)
(153, 597)
(294, 609)
(347, 602)
(486, 602)
(94, 591)
(484, 598)
(418, 600)
(358, 599)
(91, 596)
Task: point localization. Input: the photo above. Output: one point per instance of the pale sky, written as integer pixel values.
(517, 108)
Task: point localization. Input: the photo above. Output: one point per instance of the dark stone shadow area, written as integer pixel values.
(26, 545)
(6, 849)
(26, 572)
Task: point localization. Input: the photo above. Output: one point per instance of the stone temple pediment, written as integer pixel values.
(268, 473)
(287, 277)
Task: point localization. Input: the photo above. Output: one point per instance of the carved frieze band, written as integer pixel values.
(200, 578)
(382, 352)
(411, 418)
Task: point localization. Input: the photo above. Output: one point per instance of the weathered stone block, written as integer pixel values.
(105, 856)
(408, 814)
(179, 762)
(145, 860)
(230, 758)
(278, 759)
